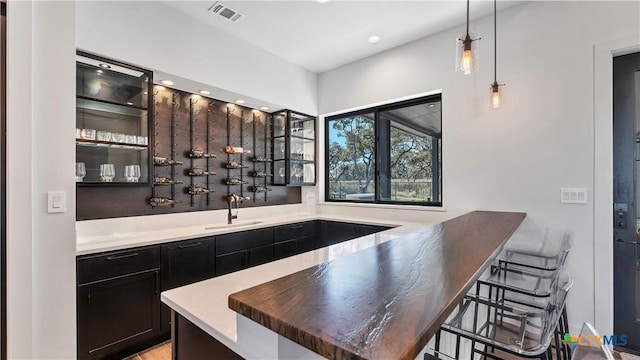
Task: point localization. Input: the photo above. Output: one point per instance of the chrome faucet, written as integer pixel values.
(237, 199)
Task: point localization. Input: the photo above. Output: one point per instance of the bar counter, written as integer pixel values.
(383, 302)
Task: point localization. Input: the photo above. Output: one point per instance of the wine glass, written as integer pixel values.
(281, 173)
(282, 148)
(107, 172)
(132, 173)
(298, 173)
(135, 173)
(81, 171)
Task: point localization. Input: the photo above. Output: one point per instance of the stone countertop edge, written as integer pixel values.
(120, 241)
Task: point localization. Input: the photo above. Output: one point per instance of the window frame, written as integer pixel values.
(378, 147)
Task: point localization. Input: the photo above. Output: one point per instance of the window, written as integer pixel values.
(388, 154)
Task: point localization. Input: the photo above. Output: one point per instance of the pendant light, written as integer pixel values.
(467, 50)
(495, 99)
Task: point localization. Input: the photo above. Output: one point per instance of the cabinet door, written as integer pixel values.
(334, 232)
(285, 249)
(295, 231)
(233, 242)
(362, 230)
(184, 263)
(230, 262)
(116, 313)
(294, 247)
(258, 256)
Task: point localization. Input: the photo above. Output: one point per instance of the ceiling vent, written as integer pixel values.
(222, 10)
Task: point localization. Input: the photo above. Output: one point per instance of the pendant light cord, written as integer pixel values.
(468, 17)
(495, 42)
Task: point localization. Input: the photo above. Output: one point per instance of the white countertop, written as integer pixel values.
(206, 303)
(121, 240)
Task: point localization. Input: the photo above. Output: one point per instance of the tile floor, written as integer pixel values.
(159, 352)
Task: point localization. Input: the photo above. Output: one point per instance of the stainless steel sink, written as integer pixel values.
(234, 225)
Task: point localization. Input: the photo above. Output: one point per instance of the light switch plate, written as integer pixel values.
(573, 195)
(56, 201)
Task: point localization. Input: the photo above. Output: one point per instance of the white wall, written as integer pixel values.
(518, 157)
(156, 36)
(40, 151)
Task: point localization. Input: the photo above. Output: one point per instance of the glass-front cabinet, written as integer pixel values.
(113, 105)
(294, 149)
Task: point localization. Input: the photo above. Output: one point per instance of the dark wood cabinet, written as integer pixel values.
(183, 263)
(294, 247)
(237, 251)
(118, 303)
(293, 239)
(333, 232)
(362, 230)
(119, 308)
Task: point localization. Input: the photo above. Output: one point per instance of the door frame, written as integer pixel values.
(603, 176)
(3, 182)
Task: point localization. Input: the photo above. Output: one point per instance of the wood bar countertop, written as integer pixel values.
(384, 302)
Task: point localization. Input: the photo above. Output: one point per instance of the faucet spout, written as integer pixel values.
(237, 199)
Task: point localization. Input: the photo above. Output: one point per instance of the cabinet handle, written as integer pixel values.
(188, 246)
(123, 256)
(296, 227)
(155, 282)
(628, 242)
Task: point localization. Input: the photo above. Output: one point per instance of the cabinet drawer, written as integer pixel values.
(243, 240)
(103, 266)
(295, 231)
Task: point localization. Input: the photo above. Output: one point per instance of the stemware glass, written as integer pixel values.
(132, 173)
(81, 171)
(107, 172)
(135, 173)
(281, 173)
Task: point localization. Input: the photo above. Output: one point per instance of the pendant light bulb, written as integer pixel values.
(466, 63)
(496, 98)
(467, 54)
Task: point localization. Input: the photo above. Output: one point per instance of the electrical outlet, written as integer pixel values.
(573, 195)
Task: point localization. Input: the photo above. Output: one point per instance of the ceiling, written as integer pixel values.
(321, 36)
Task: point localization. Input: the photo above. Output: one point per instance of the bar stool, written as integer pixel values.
(523, 328)
(526, 270)
(545, 255)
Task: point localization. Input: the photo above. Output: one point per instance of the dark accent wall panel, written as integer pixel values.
(181, 119)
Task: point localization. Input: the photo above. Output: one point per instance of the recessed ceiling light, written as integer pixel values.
(167, 82)
(129, 103)
(373, 39)
(104, 66)
(99, 71)
(239, 101)
(432, 105)
(145, 92)
(264, 108)
(204, 92)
